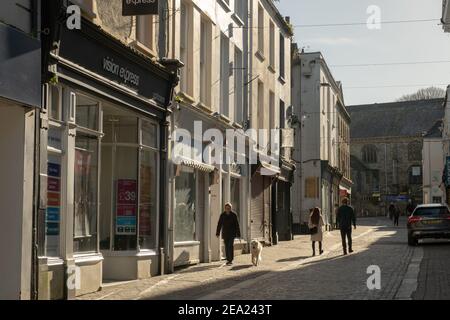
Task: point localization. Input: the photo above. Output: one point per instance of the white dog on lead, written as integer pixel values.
(256, 251)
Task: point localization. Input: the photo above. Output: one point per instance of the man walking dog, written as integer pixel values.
(345, 218)
(229, 224)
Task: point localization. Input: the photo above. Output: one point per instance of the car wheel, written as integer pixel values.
(412, 241)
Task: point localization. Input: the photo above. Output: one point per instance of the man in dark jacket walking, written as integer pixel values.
(346, 217)
(229, 224)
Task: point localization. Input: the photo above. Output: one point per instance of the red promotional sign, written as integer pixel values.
(53, 184)
(53, 199)
(126, 192)
(126, 211)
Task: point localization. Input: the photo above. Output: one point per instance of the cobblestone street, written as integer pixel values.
(289, 272)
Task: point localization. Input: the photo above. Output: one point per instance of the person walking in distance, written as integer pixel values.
(229, 225)
(315, 225)
(346, 217)
(396, 215)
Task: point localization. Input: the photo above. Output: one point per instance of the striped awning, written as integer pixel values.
(195, 164)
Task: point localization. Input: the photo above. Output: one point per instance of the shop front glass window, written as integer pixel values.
(55, 103)
(125, 198)
(87, 112)
(85, 193)
(106, 197)
(147, 200)
(236, 195)
(53, 213)
(119, 126)
(185, 208)
(149, 134)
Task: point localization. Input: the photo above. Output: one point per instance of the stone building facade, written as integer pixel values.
(386, 153)
(322, 139)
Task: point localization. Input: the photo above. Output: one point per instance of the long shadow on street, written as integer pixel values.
(334, 277)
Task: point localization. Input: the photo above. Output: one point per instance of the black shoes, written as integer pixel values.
(229, 263)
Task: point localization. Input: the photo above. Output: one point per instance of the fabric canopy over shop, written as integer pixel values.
(196, 164)
(272, 170)
(344, 191)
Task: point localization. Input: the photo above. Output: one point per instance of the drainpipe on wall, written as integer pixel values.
(36, 22)
(249, 44)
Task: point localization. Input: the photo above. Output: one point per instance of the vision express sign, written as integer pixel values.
(139, 7)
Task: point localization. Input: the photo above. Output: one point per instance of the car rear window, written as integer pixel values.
(429, 212)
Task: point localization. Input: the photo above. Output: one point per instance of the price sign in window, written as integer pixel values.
(126, 207)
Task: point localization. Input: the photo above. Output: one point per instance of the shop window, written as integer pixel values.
(85, 193)
(149, 134)
(225, 191)
(119, 126)
(87, 113)
(129, 182)
(148, 200)
(185, 207)
(53, 212)
(54, 110)
(236, 196)
(125, 198)
(106, 197)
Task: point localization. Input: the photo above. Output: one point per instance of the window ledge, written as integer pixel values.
(225, 118)
(260, 55)
(81, 259)
(237, 125)
(188, 99)
(225, 5)
(271, 69)
(203, 107)
(51, 261)
(237, 19)
(282, 80)
(143, 48)
(186, 244)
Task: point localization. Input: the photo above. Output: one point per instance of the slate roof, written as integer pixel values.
(436, 130)
(396, 119)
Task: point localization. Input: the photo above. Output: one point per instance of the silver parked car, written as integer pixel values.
(429, 221)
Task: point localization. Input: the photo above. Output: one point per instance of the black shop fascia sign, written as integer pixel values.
(100, 54)
(139, 7)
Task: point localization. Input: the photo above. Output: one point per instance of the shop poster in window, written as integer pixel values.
(126, 207)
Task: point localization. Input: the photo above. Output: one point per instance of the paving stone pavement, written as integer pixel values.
(288, 271)
(434, 275)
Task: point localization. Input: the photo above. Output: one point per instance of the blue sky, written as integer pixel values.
(407, 42)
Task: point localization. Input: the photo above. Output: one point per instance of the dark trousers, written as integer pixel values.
(314, 247)
(396, 218)
(346, 234)
(229, 249)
